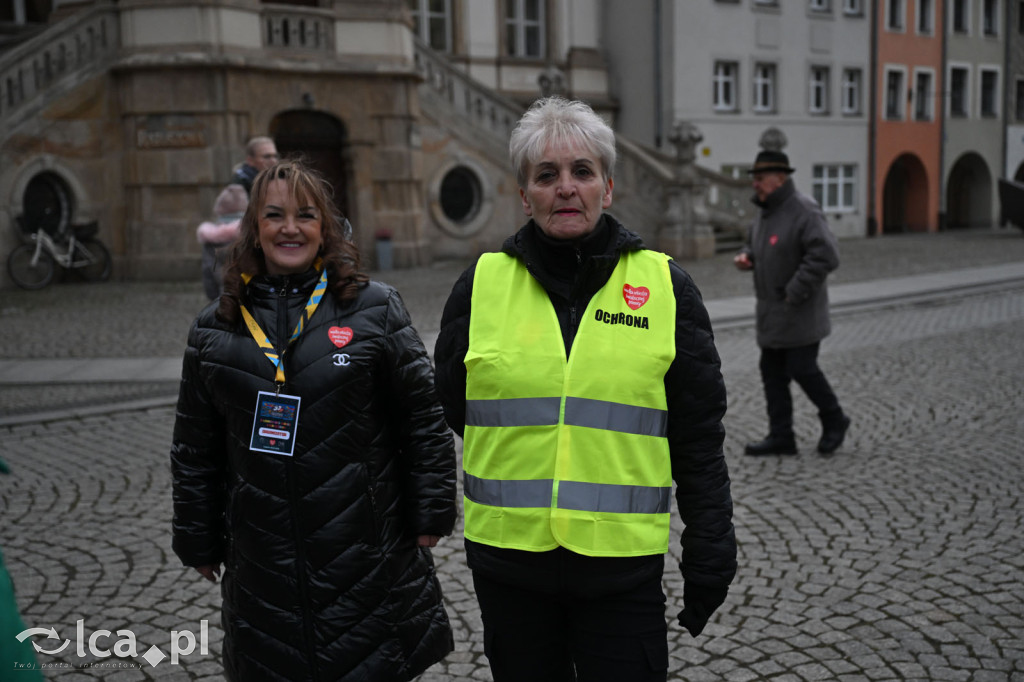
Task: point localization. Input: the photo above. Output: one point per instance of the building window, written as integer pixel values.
(819, 90)
(725, 78)
(1018, 100)
(961, 16)
(432, 21)
(894, 94)
(853, 7)
(989, 103)
(852, 80)
(768, 3)
(958, 92)
(524, 28)
(1020, 17)
(990, 17)
(894, 17)
(764, 88)
(835, 187)
(925, 17)
(923, 96)
(820, 5)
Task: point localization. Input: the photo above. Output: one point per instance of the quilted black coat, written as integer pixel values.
(572, 273)
(323, 578)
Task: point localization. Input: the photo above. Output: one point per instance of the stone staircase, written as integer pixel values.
(45, 65)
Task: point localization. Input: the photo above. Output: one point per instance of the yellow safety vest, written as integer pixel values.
(571, 452)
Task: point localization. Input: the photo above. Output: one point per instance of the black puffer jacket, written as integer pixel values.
(572, 272)
(323, 578)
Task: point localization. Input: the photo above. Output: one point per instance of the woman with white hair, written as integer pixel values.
(581, 370)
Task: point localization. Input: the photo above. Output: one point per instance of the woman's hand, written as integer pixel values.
(427, 540)
(210, 571)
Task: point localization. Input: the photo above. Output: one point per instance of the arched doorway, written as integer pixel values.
(320, 139)
(969, 193)
(46, 203)
(905, 196)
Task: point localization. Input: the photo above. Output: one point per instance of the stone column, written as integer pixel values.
(685, 231)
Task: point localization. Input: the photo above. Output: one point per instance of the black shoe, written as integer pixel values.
(772, 445)
(832, 437)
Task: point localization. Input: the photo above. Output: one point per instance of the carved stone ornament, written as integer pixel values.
(773, 140)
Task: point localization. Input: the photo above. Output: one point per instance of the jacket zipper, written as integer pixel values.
(300, 554)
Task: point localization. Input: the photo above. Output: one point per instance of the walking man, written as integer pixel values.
(790, 250)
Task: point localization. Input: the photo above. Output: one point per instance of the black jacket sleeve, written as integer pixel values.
(696, 397)
(450, 351)
(197, 467)
(426, 446)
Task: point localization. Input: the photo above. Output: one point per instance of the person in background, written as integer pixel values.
(790, 250)
(310, 455)
(581, 370)
(215, 236)
(260, 154)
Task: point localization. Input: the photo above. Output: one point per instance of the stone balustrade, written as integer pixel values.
(81, 43)
(294, 28)
(470, 99)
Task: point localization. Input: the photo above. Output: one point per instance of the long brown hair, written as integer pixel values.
(339, 253)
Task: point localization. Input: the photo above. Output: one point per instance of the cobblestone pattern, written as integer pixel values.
(899, 558)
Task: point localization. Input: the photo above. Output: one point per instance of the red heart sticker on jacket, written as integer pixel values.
(635, 296)
(339, 335)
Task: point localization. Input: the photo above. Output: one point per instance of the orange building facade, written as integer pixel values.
(907, 116)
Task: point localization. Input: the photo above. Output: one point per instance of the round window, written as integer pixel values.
(46, 204)
(460, 195)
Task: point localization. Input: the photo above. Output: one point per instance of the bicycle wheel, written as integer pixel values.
(24, 273)
(92, 261)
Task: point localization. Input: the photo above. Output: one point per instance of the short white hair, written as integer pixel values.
(556, 120)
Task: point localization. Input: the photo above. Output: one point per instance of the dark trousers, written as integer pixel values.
(779, 366)
(564, 634)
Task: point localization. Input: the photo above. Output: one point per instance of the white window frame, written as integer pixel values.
(853, 7)
(423, 16)
(724, 81)
(996, 90)
(818, 82)
(967, 17)
(852, 86)
(901, 94)
(765, 77)
(995, 16)
(899, 6)
(929, 106)
(837, 176)
(925, 13)
(520, 24)
(966, 68)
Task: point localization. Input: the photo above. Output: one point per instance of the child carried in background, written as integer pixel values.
(217, 235)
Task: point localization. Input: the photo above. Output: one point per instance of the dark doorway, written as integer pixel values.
(905, 196)
(320, 140)
(46, 204)
(969, 193)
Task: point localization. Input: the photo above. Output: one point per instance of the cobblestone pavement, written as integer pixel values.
(898, 558)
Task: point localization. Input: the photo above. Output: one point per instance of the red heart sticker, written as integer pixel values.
(774, 239)
(339, 335)
(635, 296)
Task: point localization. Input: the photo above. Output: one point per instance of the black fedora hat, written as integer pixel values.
(769, 161)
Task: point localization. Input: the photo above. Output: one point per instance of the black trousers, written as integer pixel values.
(780, 366)
(565, 631)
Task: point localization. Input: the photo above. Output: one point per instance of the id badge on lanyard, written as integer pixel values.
(276, 420)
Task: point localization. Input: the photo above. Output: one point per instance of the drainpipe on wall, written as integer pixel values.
(872, 226)
(942, 120)
(658, 115)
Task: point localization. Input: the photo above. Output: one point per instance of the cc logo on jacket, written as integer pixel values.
(342, 359)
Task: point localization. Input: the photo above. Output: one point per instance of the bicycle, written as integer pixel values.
(31, 266)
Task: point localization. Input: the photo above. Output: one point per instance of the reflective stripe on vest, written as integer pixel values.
(569, 451)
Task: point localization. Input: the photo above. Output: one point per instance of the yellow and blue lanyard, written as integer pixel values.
(260, 336)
